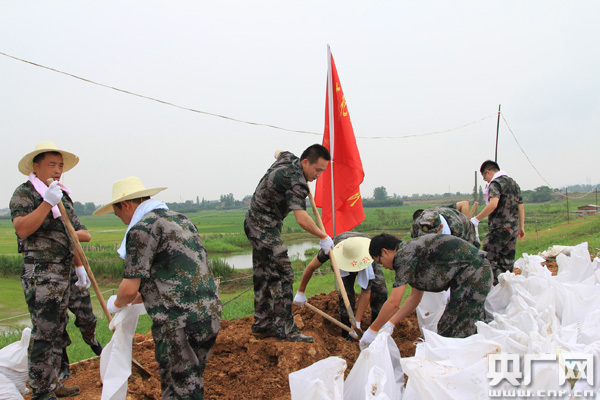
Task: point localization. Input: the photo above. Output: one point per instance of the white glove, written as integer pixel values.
(300, 299)
(326, 244)
(53, 194)
(475, 222)
(367, 339)
(82, 277)
(110, 305)
(388, 328)
(353, 335)
(358, 324)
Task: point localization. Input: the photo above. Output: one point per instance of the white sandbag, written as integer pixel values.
(323, 380)
(13, 361)
(383, 353)
(430, 309)
(577, 267)
(555, 250)
(8, 390)
(375, 384)
(115, 360)
(582, 300)
(430, 380)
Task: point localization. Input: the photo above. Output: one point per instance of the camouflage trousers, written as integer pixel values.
(469, 287)
(80, 304)
(46, 288)
(273, 278)
(182, 356)
(500, 245)
(378, 296)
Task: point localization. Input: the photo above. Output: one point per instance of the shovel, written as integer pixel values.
(334, 266)
(331, 319)
(79, 250)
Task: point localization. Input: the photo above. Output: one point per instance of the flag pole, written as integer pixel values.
(331, 134)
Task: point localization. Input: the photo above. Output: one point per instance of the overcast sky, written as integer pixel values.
(406, 68)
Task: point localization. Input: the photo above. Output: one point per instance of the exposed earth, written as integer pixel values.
(242, 367)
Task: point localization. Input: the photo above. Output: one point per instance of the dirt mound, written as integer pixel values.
(242, 367)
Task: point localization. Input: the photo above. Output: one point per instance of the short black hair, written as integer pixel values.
(489, 165)
(417, 213)
(383, 241)
(314, 152)
(137, 200)
(40, 157)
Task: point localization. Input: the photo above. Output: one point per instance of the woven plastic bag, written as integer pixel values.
(8, 390)
(323, 380)
(384, 355)
(430, 309)
(13, 361)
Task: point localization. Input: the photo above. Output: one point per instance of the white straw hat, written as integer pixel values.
(352, 254)
(127, 189)
(26, 164)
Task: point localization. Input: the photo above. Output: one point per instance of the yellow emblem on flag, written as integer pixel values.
(354, 197)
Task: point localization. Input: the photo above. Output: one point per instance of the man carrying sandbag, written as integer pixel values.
(166, 267)
(433, 263)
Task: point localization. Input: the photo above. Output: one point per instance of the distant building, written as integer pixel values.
(590, 209)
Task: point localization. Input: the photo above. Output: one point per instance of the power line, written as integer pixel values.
(523, 151)
(224, 116)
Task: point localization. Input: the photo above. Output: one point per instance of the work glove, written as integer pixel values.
(53, 194)
(353, 335)
(358, 324)
(300, 299)
(475, 223)
(367, 338)
(388, 328)
(82, 277)
(326, 244)
(110, 305)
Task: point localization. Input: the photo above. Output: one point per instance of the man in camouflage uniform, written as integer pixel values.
(506, 218)
(48, 255)
(375, 293)
(166, 267)
(427, 221)
(433, 263)
(282, 189)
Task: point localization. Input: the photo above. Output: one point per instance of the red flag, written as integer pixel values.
(347, 168)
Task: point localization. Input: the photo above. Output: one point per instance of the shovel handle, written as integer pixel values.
(334, 266)
(81, 254)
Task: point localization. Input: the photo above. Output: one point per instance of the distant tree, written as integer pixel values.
(197, 200)
(380, 193)
(89, 208)
(227, 200)
(79, 208)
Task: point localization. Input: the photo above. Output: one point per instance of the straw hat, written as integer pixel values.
(26, 164)
(352, 254)
(127, 189)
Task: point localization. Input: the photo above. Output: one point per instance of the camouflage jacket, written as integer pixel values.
(51, 242)
(459, 224)
(165, 250)
(283, 188)
(424, 262)
(506, 215)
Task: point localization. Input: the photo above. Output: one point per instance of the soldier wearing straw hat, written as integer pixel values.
(48, 255)
(166, 267)
(356, 266)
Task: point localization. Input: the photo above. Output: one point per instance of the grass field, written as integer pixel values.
(547, 224)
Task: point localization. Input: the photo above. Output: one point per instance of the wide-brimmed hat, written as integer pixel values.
(26, 164)
(127, 189)
(352, 254)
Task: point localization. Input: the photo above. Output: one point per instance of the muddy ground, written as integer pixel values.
(242, 367)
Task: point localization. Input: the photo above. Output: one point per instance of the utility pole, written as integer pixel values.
(497, 133)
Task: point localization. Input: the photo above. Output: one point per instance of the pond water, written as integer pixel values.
(295, 250)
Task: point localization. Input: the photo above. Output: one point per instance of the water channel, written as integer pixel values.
(295, 250)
